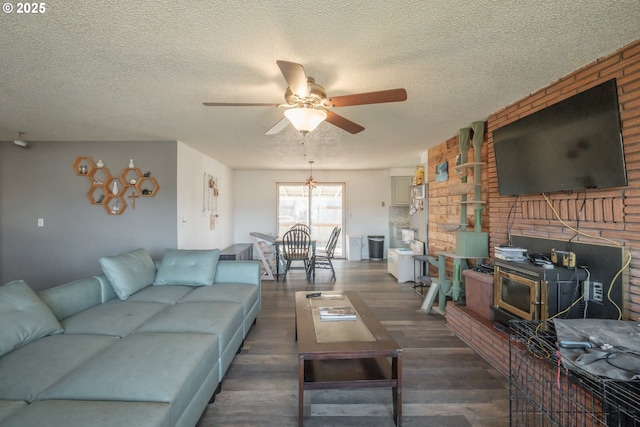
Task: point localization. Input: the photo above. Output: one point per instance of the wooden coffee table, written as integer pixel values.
(346, 353)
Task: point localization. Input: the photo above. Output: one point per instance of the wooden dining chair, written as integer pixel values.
(296, 246)
(301, 226)
(322, 258)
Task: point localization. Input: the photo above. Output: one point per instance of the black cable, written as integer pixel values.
(616, 351)
(512, 219)
(574, 299)
(630, 353)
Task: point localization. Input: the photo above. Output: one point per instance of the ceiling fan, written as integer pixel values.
(307, 103)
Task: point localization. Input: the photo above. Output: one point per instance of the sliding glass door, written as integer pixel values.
(321, 209)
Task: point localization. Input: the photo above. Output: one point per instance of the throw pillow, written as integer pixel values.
(187, 267)
(129, 272)
(24, 317)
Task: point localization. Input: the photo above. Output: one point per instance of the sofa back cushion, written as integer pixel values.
(107, 288)
(187, 267)
(73, 297)
(24, 317)
(243, 271)
(129, 272)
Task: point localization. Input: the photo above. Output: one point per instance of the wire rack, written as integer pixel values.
(544, 393)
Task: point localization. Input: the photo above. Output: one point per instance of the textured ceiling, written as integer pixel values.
(121, 70)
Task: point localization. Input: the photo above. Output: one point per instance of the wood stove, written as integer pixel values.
(523, 290)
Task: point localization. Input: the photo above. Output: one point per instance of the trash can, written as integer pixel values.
(376, 247)
(354, 248)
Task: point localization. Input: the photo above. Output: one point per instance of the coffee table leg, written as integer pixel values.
(396, 371)
(300, 390)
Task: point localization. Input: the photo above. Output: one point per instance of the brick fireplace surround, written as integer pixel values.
(480, 335)
(613, 213)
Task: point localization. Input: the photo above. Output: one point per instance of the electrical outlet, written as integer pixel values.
(593, 291)
(598, 292)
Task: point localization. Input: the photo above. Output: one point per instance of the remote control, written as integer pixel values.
(314, 295)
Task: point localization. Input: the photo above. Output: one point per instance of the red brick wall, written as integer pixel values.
(613, 214)
(443, 207)
(479, 334)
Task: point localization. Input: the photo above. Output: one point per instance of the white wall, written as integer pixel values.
(366, 191)
(193, 225)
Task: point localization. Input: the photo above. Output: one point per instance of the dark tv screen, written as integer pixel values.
(575, 144)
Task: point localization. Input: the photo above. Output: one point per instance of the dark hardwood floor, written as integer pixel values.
(445, 383)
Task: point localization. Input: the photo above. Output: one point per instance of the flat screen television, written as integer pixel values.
(575, 144)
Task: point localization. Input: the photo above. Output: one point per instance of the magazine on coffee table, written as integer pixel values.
(337, 313)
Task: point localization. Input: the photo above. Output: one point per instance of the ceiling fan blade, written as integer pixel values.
(238, 104)
(343, 123)
(282, 123)
(391, 95)
(296, 78)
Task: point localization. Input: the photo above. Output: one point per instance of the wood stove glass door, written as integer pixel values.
(517, 295)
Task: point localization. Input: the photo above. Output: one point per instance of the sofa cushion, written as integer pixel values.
(117, 318)
(129, 272)
(167, 368)
(238, 272)
(241, 293)
(73, 297)
(161, 294)
(82, 413)
(187, 267)
(24, 317)
(10, 407)
(30, 370)
(223, 319)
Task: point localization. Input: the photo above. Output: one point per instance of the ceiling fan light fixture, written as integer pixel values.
(304, 95)
(305, 119)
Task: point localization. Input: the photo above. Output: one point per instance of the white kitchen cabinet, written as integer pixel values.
(401, 190)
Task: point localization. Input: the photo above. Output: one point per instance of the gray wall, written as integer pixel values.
(39, 182)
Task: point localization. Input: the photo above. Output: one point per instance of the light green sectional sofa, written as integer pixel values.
(145, 344)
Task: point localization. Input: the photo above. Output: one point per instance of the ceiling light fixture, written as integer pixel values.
(310, 182)
(305, 119)
(20, 142)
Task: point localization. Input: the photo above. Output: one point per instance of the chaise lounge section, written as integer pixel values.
(144, 344)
